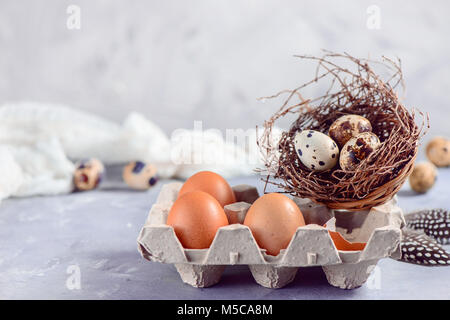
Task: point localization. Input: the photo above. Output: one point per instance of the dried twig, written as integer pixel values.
(357, 90)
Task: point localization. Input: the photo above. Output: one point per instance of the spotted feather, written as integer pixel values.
(434, 223)
(418, 248)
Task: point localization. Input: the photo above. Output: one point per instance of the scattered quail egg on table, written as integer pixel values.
(316, 150)
(357, 149)
(348, 126)
(438, 151)
(423, 177)
(88, 174)
(139, 175)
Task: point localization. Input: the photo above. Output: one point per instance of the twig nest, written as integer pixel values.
(438, 151)
(423, 177)
(316, 150)
(357, 149)
(88, 174)
(372, 173)
(348, 126)
(139, 175)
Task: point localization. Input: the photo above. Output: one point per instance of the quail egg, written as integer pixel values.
(423, 177)
(348, 126)
(316, 150)
(88, 174)
(438, 151)
(139, 175)
(357, 149)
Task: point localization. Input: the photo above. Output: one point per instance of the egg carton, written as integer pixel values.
(311, 245)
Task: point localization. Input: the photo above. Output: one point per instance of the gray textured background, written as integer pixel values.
(177, 61)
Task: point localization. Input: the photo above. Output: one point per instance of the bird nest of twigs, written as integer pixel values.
(351, 89)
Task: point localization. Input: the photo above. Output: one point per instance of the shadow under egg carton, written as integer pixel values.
(311, 245)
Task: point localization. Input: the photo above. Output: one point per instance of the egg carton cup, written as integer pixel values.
(311, 245)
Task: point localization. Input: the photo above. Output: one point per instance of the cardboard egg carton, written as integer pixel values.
(311, 245)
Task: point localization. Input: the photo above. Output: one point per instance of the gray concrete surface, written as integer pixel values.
(43, 238)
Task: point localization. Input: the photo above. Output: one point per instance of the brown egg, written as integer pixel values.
(88, 174)
(195, 217)
(346, 127)
(211, 183)
(273, 220)
(438, 151)
(423, 177)
(343, 245)
(357, 149)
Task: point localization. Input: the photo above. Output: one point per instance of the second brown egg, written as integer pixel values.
(273, 219)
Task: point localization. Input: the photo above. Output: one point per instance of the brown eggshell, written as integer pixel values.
(273, 220)
(211, 183)
(358, 149)
(348, 126)
(438, 151)
(343, 245)
(195, 217)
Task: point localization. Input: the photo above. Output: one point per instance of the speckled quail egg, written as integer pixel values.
(348, 126)
(88, 174)
(316, 150)
(423, 177)
(438, 151)
(357, 149)
(139, 175)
